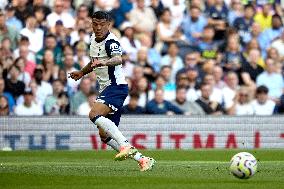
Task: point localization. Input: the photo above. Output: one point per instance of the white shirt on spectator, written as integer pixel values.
(43, 91)
(244, 109)
(23, 110)
(66, 18)
(75, 37)
(263, 109)
(35, 38)
(228, 95)
(177, 13)
(279, 46)
(84, 109)
(129, 49)
(31, 55)
(71, 82)
(192, 94)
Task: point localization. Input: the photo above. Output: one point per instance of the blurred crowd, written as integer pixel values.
(196, 57)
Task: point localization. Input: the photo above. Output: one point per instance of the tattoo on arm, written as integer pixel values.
(87, 69)
(114, 61)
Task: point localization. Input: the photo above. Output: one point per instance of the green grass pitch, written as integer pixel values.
(181, 169)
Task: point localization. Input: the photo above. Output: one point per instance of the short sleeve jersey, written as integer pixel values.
(103, 50)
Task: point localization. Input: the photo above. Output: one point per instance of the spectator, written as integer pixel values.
(157, 7)
(254, 34)
(218, 14)
(57, 103)
(264, 16)
(194, 84)
(143, 91)
(24, 41)
(7, 95)
(262, 105)
(250, 69)
(69, 66)
(232, 59)
(166, 30)
(137, 75)
(121, 13)
(128, 43)
(173, 60)
(230, 90)
(218, 77)
(270, 34)
(34, 34)
(81, 95)
(29, 65)
(28, 107)
(59, 14)
(133, 107)
(50, 68)
(143, 18)
(4, 106)
(11, 19)
(50, 43)
(43, 88)
(12, 84)
(24, 75)
(23, 10)
(272, 80)
(243, 24)
(62, 76)
(8, 31)
(80, 32)
(208, 106)
(216, 93)
(142, 60)
(235, 11)
(6, 48)
(188, 107)
(278, 44)
(62, 35)
(206, 45)
(193, 24)
(41, 4)
(85, 107)
(161, 106)
(81, 56)
(154, 57)
(241, 103)
(177, 10)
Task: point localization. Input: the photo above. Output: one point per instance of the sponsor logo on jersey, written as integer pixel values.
(115, 48)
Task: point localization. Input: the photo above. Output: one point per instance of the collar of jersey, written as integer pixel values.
(103, 38)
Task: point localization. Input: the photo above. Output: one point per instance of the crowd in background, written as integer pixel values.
(196, 57)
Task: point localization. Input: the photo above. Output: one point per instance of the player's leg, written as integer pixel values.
(145, 163)
(108, 140)
(98, 116)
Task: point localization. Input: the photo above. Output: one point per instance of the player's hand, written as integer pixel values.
(97, 63)
(76, 75)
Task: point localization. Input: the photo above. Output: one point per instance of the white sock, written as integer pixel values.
(138, 156)
(111, 129)
(113, 144)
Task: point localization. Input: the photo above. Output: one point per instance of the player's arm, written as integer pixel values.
(76, 75)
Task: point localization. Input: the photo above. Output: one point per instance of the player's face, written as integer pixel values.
(100, 27)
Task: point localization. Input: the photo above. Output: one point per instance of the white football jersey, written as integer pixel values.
(103, 50)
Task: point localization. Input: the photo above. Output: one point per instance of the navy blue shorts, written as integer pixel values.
(113, 96)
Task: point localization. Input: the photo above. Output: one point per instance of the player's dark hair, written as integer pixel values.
(102, 15)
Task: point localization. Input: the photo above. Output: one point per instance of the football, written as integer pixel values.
(243, 165)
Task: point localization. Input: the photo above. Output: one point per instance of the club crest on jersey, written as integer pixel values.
(115, 48)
